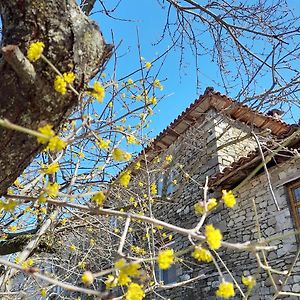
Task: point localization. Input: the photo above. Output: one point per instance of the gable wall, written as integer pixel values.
(196, 151)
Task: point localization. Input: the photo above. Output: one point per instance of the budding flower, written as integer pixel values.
(87, 278)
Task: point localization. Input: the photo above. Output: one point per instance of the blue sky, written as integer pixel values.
(148, 20)
(180, 86)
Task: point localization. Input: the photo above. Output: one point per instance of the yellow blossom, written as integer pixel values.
(165, 259)
(98, 91)
(43, 293)
(228, 198)
(213, 237)
(12, 228)
(111, 282)
(130, 139)
(56, 144)
(73, 248)
(157, 84)
(52, 189)
(82, 264)
(27, 263)
(200, 206)
(134, 292)
(99, 198)
(9, 205)
(225, 290)
(92, 242)
(87, 278)
(50, 169)
(138, 97)
(148, 65)
(130, 81)
(120, 155)
(60, 85)
(47, 132)
(249, 281)
(202, 254)
(125, 178)
(126, 270)
(137, 166)
(69, 77)
(103, 144)
(18, 184)
(63, 222)
(153, 188)
(153, 100)
(169, 158)
(35, 51)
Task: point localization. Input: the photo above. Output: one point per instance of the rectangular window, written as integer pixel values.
(165, 184)
(168, 276)
(294, 195)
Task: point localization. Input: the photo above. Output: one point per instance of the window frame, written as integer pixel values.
(295, 204)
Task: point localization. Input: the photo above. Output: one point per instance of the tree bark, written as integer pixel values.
(27, 96)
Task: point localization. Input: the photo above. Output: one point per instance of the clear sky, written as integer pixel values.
(146, 19)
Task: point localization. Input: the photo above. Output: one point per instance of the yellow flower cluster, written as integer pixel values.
(120, 155)
(169, 158)
(98, 91)
(50, 169)
(134, 292)
(61, 82)
(28, 263)
(249, 281)
(35, 51)
(228, 198)
(130, 81)
(43, 292)
(47, 132)
(52, 189)
(87, 278)
(157, 84)
(148, 65)
(73, 248)
(153, 188)
(165, 259)
(202, 254)
(125, 271)
(225, 290)
(54, 142)
(103, 144)
(98, 198)
(131, 139)
(124, 178)
(200, 206)
(137, 166)
(138, 250)
(213, 237)
(8, 206)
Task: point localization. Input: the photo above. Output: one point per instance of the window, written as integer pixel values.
(168, 276)
(294, 195)
(165, 184)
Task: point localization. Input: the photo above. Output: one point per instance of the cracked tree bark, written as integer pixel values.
(72, 43)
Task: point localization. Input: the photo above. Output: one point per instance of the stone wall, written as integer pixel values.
(238, 225)
(201, 153)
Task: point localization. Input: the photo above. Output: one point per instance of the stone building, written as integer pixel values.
(222, 142)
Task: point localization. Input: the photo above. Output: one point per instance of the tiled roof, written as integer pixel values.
(224, 105)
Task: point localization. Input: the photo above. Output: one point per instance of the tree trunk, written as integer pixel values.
(72, 43)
